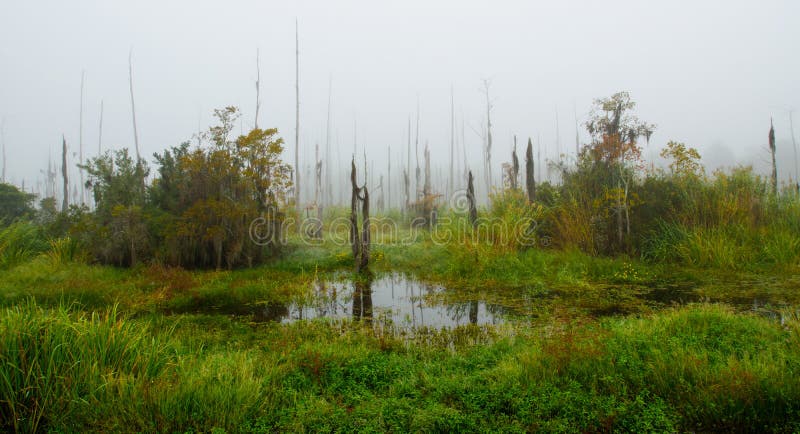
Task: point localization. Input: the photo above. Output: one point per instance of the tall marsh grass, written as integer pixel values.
(19, 242)
(55, 364)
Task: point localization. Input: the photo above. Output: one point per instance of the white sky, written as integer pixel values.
(708, 73)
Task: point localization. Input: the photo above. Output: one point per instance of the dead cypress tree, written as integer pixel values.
(382, 200)
(297, 120)
(473, 211)
(258, 88)
(355, 239)
(65, 203)
(328, 180)
(416, 147)
(774, 177)
(406, 174)
(359, 241)
(80, 144)
(514, 166)
(426, 188)
(3, 140)
(488, 145)
(318, 195)
(100, 135)
(450, 185)
(407, 186)
(133, 105)
(530, 181)
(388, 178)
(365, 237)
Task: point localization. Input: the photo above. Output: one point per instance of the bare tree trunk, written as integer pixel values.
(133, 105)
(450, 185)
(3, 139)
(464, 145)
(365, 236)
(297, 120)
(577, 136)
(328, 180)
(473, 210)
(774, 177)
(416, 146)
(65, 203)
(514, 166)
(388, 178)
(406, 183)
(100, 134)
(355, 240)
(407, 171)
(318, 194)
(426, 188)
(80, 145)
(530, 180)
(488, 149)
(794, 145)
(258, 88)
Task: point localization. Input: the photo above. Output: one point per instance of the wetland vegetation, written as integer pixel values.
(617, 299)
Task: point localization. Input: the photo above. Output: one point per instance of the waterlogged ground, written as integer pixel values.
(402, 302)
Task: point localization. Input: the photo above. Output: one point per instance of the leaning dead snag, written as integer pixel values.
(473, 211)
(530, 181)
(774, 176)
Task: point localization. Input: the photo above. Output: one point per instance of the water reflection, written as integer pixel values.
(362, 299)
(391, 299)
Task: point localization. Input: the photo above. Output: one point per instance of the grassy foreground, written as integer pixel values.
(153, 349)
(697, 368)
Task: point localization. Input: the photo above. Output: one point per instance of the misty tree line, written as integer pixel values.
(204, 196)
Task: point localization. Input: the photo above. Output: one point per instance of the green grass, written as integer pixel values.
(697, 368)
(156, 349)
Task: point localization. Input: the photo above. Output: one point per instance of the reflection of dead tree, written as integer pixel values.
(473, 312)
(359, 242)
(362, 298)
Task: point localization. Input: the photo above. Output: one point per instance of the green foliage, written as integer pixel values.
(197, 213)
(14, 204)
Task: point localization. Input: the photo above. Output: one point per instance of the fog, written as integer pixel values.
(710, 74)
